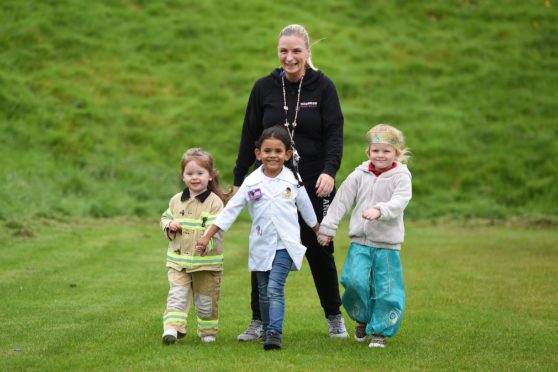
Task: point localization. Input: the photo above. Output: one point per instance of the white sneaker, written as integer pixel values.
(378, 341)
(336, 326)
(170, 336)
(208, 338)
(253, 333)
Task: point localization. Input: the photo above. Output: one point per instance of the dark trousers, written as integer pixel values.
(320, 259)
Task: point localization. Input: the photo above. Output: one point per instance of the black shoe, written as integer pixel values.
(272, 340)
(360, 332)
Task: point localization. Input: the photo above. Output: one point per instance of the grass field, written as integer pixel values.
(99, 99)
(89, 294)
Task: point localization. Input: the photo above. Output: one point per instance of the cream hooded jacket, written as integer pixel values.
(390, 192)
(272, 204)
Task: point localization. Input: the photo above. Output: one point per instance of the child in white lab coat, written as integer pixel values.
(274, 196)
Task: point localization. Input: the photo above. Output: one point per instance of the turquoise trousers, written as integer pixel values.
(374, 292)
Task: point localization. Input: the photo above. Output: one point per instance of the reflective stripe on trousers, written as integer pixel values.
(175, 317)
(208, 324)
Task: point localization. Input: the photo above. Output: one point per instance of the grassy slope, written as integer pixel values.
(91, 296)
(99, 99)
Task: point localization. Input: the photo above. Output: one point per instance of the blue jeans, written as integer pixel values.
(374, 292)
(271, 287)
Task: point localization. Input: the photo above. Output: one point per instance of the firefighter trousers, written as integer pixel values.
(200, 287)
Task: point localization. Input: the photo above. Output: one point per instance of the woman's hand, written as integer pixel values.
(324, 186)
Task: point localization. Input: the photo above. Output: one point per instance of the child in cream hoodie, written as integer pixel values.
(379, 189)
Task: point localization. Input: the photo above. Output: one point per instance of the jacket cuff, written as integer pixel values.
(327, 231)
(330, 172)
(170, 234)
(383, 212)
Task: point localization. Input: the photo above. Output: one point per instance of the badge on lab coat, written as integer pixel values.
(287, 194)
(255, 194)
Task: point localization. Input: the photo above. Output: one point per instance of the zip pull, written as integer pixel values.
(204, 220)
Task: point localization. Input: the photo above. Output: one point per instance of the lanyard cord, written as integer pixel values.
(296, 157)
(286, 108)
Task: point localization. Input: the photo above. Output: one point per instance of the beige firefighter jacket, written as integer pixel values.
(194, 215)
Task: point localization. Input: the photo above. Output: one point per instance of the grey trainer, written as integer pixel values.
(336, 326)
(378, 341)
(360, 332)
(272, 340)
(253, 333)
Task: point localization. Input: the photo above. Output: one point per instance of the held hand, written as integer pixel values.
(201, 245)
(324, 186)
(174, 226)
(324, 240)
(371, 214)
(316, 228)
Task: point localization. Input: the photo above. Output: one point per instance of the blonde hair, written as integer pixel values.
(403, 154)
(299, 31)
(205, 160)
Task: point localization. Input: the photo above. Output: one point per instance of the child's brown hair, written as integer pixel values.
(205, 160)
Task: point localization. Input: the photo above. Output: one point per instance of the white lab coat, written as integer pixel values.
(272, 204)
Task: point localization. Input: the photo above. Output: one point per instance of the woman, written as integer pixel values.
(306, 101)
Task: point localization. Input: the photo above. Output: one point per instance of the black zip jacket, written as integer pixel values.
(319, 132)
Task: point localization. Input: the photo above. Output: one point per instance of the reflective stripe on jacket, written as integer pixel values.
(194, 215)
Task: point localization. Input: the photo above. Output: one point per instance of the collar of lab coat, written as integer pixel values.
(258, 176)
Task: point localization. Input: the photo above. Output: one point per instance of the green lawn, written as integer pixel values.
(90, 294)
(99, 99)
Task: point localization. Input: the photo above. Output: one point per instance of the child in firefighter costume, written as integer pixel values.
(193, 277)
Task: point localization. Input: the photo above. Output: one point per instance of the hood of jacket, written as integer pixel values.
(310, 82)
(400, 169)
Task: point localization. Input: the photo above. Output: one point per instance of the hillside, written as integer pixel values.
(98, 100)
